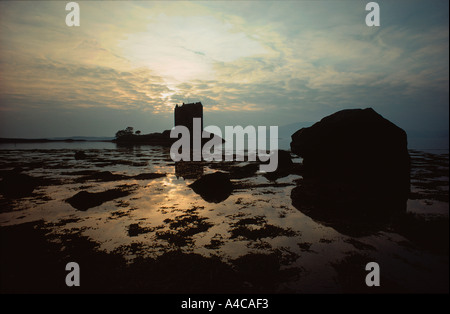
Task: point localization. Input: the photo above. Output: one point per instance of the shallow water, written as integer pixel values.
(255, 225)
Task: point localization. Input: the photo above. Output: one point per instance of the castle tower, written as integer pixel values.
(184, 114)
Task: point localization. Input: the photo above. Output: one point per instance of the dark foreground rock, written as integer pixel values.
(354, 162)
(213, 187)
(15, 184)
(84, 200)
(107, 176)
(174, 271)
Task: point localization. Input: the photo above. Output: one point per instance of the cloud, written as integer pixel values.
(183, 48)
(271, 61)
(49, 83)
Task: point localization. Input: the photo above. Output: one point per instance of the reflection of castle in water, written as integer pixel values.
(189, 169)
(183, 115)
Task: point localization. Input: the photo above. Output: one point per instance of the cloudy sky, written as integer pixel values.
(248, 62)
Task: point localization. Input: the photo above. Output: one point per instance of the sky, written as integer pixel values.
(248, 62)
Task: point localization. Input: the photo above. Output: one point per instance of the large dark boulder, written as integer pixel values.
(15, 184)
(357, 146)
(354, 161)
(213, 187)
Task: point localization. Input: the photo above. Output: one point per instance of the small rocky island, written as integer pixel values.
(183, 115)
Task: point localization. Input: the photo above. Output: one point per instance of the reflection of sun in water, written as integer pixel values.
(175, 190)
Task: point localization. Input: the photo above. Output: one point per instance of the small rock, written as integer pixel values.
(80, 155)
(285, 166)
(84, 200)
(214, 187)
(16, 184)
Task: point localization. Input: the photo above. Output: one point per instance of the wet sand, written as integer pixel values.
(142, 228)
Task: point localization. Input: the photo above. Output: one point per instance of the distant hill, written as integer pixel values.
(417, 139)
(285, 131)
(55, 139)
(82, 138)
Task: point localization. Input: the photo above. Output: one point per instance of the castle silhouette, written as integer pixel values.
(184, 114)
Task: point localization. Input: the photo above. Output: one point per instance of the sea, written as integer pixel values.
(253, 241)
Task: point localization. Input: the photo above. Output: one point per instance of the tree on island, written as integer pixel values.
(127, 132)
(129, 136)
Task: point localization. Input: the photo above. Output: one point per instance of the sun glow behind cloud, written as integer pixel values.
(184, 48)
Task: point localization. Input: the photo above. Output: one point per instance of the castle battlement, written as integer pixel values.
(184, 114)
